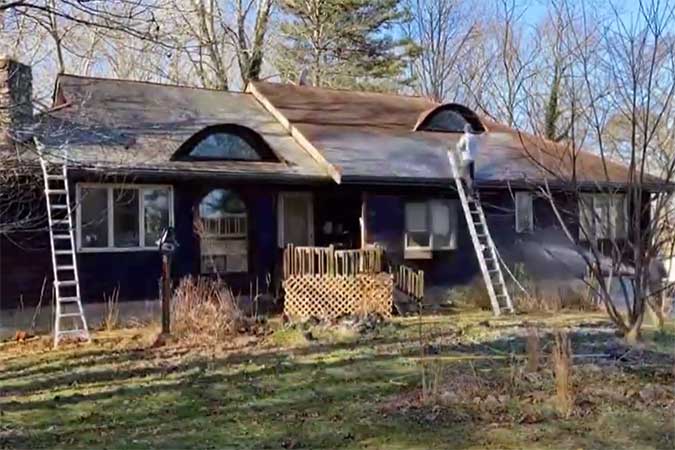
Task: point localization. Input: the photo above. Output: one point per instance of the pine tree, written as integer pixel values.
(343, 43)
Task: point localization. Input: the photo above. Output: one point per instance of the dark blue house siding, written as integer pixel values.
(546, 254)
(385, 224)
(25, 259)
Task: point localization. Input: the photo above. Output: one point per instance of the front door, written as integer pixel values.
(295, 219)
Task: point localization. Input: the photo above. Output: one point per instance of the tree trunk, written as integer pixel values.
(633, 335)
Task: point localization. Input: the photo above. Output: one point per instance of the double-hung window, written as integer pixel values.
(122, 217)
(602, 216)
(430, 225)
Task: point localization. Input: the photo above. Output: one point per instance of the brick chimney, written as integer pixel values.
(16, 102)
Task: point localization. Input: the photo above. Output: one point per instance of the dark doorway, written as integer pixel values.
(337, 220)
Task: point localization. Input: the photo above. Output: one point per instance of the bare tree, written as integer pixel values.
(496, 79)
(620, 221)
(444, 32)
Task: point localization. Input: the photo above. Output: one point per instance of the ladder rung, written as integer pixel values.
(63, 252)
(61, 236)
(61, 222)
(56, 191)
(82, 332)
(66, 283)
(62, 315)
(69, 299)
(55, 177)
(65, 267)
(59, 206)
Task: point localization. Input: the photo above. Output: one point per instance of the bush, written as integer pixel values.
(204, 309)
(474, 294)
(535, 299)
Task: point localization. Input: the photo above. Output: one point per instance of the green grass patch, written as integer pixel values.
(330, 391)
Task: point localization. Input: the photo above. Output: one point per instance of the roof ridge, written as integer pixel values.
(153, 83)
(354, 91)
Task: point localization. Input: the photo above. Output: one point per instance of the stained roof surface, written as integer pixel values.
(369, 135)
(115, 123)
(364, 137)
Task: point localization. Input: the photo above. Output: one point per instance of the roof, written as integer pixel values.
(138, 126)
(369, 136)
(318, 134)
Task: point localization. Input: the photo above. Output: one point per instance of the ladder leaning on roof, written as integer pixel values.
(486, 252)
(64, 262)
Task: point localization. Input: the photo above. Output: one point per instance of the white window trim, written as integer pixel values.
(143, 246)
(530, 227)
(280, 216)
(452, 245)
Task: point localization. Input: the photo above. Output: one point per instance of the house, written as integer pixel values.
(242, 174)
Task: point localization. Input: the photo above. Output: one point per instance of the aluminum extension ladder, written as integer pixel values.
(486, 252)
(69, 319)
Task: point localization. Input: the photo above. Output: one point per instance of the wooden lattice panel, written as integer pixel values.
(332, 296)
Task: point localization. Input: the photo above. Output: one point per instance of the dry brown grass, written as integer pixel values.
(111, 319)
(533, 349)
(473, 294)
(204, 309)
(561, 359)
(552, 302)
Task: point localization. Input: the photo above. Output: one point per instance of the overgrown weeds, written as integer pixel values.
(561, 360)
(111, 318)
(473, 294)
(204, 309)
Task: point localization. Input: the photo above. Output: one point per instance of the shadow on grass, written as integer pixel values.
(272, 399)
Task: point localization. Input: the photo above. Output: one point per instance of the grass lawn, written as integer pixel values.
(338, 388)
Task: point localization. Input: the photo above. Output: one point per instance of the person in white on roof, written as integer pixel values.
(467, 151)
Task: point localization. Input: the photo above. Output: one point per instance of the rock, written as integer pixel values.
(20, 336)
(449, 397)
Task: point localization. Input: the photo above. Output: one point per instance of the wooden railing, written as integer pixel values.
(330, 262)
(409, 281)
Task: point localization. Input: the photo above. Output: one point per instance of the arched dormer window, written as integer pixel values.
(225, 143)
(449, 118)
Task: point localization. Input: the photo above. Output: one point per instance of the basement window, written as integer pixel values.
(122, 217)
(430, 226)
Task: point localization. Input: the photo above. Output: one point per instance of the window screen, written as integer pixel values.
(524, 212)
(126, 220)
(431, 225)
(602, 216)
(94, 207)
(155, 214)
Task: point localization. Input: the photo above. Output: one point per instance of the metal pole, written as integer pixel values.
(166, 294)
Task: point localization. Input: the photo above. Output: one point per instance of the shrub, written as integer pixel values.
(204, 309)
(474, 294)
